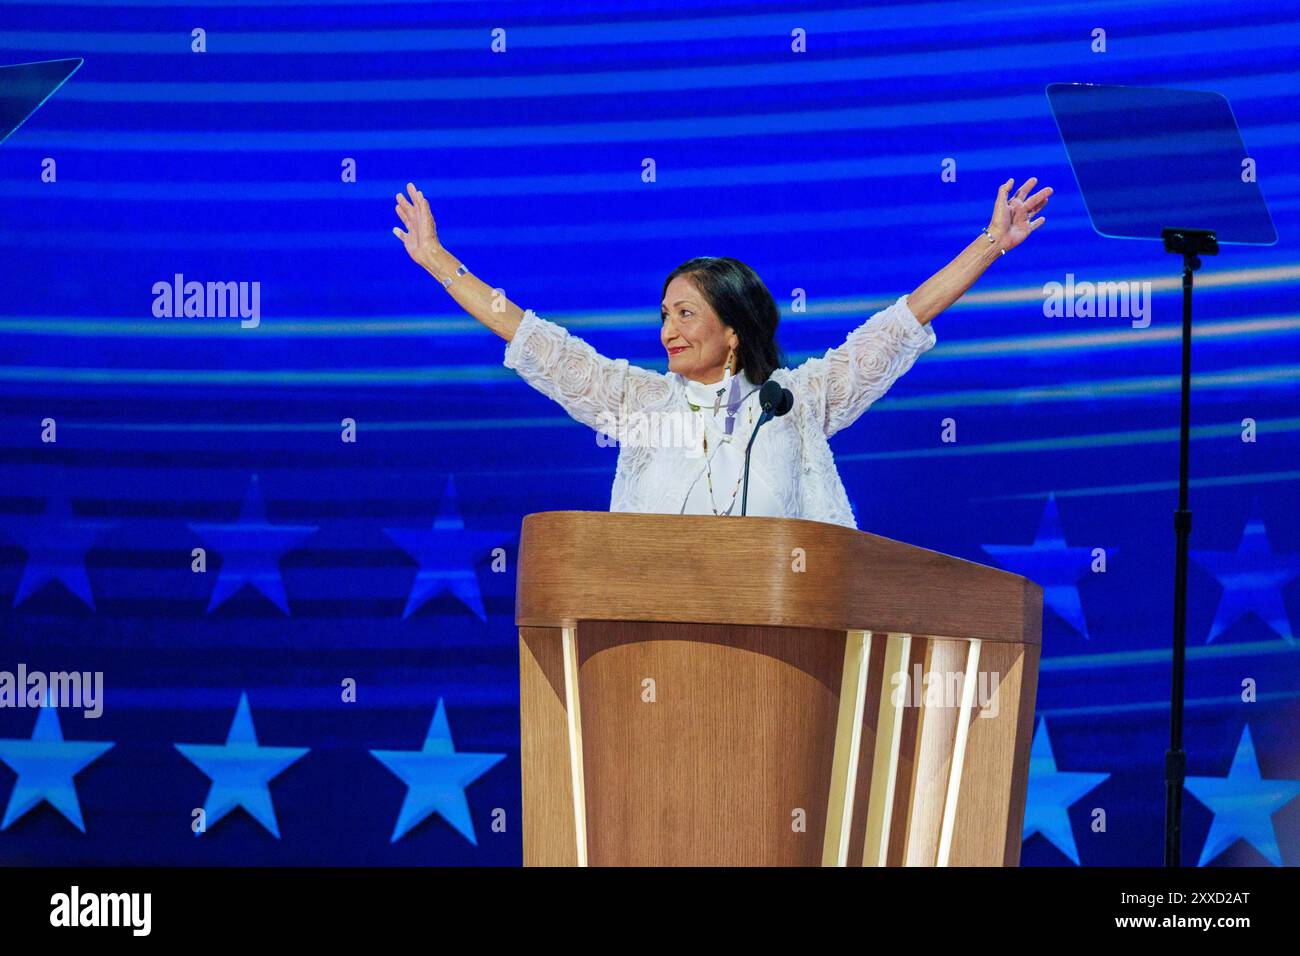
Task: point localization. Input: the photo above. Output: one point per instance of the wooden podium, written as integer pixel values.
(768, 691)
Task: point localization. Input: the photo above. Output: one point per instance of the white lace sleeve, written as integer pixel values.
(845, 382)
(593, 389)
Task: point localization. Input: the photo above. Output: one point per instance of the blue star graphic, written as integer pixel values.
(446, 554)
(56, 544)
(1051, 794)
(1050, 563)
(1252, 579)
(436, 777)
(45, 765)
(1243, 804)
(240, 771)
(250, 551)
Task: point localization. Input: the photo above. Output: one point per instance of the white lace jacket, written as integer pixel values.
(792, 453)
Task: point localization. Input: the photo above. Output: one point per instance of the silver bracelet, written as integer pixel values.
(446, 283)
(985, 232)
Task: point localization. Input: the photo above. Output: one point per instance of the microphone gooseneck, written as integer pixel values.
(775, 402)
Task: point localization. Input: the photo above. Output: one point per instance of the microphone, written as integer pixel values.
(775, 402)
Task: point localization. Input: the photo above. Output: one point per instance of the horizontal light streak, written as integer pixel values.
(567, 35)
(1144, 487)
(1148, 436)
(347, 142)
(1256, 376)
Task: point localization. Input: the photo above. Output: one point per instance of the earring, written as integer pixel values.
(726, 381)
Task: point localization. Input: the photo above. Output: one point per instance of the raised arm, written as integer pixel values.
(600, 392)
(1010, 225)
(847, 380)
(474, 296)
(595, 390)
(842, 384)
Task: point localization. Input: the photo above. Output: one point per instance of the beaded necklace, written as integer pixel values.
(733, 405)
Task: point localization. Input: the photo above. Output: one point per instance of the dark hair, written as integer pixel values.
(742, 302)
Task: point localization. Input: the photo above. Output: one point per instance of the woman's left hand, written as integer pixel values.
(1013, 220)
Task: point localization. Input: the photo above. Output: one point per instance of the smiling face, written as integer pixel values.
(696, 340)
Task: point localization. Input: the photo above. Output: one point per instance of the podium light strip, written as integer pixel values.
(959, 754)
(889, 738)
(848, 749)
(570, 644)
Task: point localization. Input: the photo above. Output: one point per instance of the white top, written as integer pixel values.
(661, 468)
(725, 469)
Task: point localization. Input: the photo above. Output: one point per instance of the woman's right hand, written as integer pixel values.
(421, 235)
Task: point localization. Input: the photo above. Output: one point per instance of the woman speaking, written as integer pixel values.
(718, 328)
